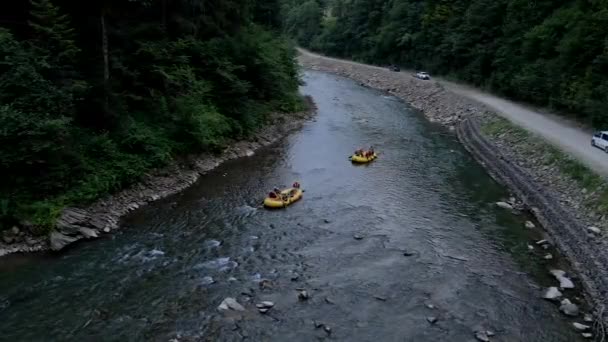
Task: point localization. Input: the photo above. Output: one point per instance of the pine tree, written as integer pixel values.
(53, 35)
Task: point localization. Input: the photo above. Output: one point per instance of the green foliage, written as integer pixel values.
(183, 78)
(548, 53)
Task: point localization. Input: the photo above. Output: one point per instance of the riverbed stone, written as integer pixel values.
(504, 205)
(482, 336)
(8, 239)
(564, 282)
(230, 304)
(58, 241)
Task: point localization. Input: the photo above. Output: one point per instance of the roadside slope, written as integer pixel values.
(571, 139)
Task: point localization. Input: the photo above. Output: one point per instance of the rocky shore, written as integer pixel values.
(559, 201)
(103, 216)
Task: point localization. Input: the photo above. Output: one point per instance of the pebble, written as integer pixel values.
(552, 293)
(265, 305)
(431, 319)
(580, 327)
(530, 225)
(482, 336)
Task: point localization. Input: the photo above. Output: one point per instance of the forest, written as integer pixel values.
(94, 94)
(548, 53)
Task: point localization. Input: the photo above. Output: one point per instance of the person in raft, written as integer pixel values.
(275, 193)
(296, 185)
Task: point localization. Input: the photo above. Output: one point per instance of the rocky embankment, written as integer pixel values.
(558, 201)
(103, 216)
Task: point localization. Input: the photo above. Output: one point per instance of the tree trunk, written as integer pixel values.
(106, 60)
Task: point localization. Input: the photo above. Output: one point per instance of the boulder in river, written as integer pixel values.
(358, 237)
(569, 308)
(587, 335)
(431, 319)
(303, 295)
(594, 230)
(552, 293)
(530, 225)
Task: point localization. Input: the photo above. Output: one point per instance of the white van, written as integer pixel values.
(600, 140)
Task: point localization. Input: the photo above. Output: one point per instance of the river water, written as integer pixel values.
(165, 273)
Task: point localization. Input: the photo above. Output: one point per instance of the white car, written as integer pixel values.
(600, 140)
(422, 75)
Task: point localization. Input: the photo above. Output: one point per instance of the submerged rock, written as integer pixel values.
(482, 336)
(431, 319)
(358, 237)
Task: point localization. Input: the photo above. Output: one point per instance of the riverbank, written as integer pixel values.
(103, 216)
(576, 190)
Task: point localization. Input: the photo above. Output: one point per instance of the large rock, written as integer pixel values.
(58, 241)
(530, 225)
(569, 308)
(552, 293)
(88, 232)
(230, 304)
(564, 282)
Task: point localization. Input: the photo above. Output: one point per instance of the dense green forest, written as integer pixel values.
(95, 93)
(546, 52)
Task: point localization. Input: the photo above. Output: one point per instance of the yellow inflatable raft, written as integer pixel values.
(361, 159)
(285, 200)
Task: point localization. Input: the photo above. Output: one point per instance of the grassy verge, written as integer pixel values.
(546, 155)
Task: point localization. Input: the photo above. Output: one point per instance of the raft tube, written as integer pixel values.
(361, 159)
(279, 203)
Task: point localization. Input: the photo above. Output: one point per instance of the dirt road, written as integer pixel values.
(566, 135)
